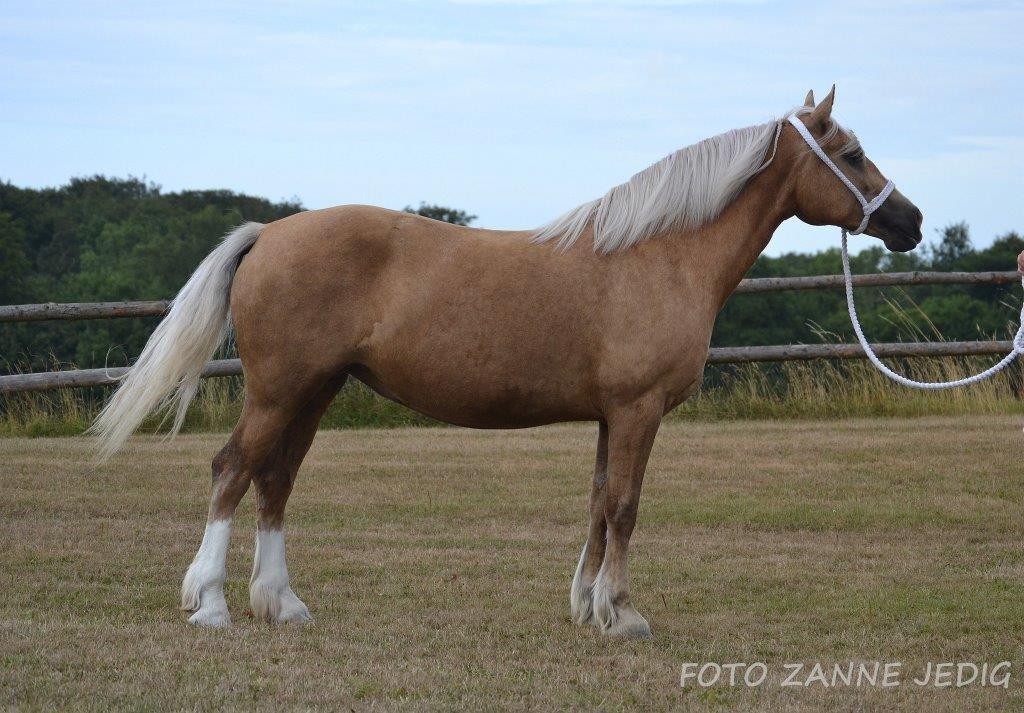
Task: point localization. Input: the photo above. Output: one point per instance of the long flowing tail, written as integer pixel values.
(166, 374)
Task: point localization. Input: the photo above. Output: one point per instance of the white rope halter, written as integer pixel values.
(870, 207)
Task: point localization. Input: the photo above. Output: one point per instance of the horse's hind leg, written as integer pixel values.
(581, 594)
(255, 438)
(270, 593)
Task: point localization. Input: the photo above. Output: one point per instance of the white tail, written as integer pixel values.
(166, 374)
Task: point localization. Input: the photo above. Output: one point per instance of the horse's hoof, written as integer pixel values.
(294, 612)
(629, 625)
(278, 605)
(213, 617)
(617, 620)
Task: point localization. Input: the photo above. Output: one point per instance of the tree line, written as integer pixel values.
(106, 239)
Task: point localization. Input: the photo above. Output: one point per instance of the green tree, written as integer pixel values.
(14, 265)
(954, 245)
(98, 239)
(442, 213)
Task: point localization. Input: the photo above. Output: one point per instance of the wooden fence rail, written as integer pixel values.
(74, 311)
(44, 381)
(757, 285)
(78, 378)
(718, 355)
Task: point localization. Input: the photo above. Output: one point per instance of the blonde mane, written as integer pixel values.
(684, 190)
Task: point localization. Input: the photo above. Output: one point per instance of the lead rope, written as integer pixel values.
(1018, 342)
(870, 207)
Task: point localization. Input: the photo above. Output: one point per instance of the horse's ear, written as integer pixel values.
(809, 99)
(823, 112)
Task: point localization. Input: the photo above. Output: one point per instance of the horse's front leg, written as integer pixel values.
(581, 594)
(631, 433)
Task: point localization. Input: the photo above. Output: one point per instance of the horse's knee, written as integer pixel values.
(621, 512)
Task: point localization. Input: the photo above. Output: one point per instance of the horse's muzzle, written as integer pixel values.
(897, 223)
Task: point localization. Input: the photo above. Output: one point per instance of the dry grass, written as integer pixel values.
(437, 564)
(802, 390)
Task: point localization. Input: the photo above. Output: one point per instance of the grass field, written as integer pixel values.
(437, 562)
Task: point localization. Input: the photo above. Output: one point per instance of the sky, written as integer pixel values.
(512, 110)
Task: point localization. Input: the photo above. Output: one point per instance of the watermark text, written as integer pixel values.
(876, 674)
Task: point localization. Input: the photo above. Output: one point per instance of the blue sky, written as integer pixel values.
(515, 111)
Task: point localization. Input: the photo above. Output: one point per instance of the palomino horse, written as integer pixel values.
(604, 315)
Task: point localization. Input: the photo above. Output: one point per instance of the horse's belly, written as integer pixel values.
(465, 399)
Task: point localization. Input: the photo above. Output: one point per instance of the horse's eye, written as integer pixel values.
(855, 158)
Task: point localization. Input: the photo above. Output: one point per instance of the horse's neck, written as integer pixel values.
(717, 255)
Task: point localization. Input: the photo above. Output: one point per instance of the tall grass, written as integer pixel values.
(842, 389)
(69, 412)
(818, 390)
(851, 388)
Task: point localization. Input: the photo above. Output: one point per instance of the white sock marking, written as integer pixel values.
(269, 593)
(202, 591)
(580, 595)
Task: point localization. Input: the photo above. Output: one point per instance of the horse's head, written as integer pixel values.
(821, 196)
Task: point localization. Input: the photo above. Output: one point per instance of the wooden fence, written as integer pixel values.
(718, 355)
